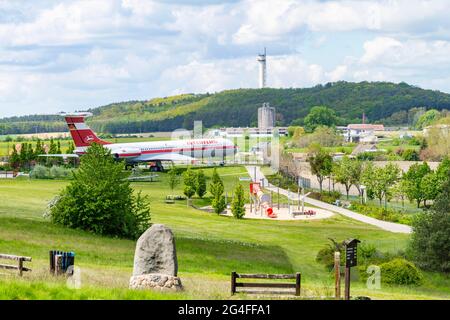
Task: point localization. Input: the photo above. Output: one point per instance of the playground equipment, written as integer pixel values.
(261, 200)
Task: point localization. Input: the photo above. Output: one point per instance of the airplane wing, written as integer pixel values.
(170, 157)
(68, 155)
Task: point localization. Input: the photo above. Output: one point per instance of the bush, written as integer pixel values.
(101, 200)
(400, 272)
(55, 172)
(40, 172)
(410, 155)
(381, 213)
(325, 196)
(325, 256)
(60, 172)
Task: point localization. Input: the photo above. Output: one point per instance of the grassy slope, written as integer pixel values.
(209, 247)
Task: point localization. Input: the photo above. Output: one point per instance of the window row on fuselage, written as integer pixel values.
(183, 148)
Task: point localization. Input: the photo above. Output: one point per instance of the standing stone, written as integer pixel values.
(155, 260)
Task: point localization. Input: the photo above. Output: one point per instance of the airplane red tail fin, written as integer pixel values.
(82, 135)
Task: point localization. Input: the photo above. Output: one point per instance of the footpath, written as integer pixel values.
(256, 175)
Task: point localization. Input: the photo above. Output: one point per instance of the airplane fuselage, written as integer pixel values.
(171, 150)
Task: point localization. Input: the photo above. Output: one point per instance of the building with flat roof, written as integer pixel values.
(266, 116)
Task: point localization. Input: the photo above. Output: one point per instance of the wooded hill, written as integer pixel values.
(380, 101)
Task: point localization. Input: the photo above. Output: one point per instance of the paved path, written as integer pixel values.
(256, 175)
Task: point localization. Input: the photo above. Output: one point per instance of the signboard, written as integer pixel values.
(351, 253)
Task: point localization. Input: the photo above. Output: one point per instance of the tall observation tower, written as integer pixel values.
(262, 69)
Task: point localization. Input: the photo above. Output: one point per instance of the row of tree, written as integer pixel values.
(419, 183)
(195, 184)
(25, 156)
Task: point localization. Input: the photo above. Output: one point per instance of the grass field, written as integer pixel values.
(209, 247)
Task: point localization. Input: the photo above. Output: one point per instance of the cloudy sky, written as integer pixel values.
(68, 55)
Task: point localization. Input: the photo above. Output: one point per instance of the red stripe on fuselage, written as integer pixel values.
(176, 150)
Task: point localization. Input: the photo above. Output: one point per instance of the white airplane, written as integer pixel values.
(152, 151)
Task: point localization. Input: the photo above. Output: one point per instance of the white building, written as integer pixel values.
(266, 117)
(251, 132)
(362, 132)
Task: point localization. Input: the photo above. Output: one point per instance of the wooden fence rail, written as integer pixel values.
(296, 285)
(20, 260)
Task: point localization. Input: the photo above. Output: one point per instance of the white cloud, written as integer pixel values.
(410, 53)
(64, 55)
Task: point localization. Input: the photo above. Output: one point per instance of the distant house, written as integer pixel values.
(363, 147)
(362, 132)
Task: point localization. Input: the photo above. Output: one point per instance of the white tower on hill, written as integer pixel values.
(262, 69)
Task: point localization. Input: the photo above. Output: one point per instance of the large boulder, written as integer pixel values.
(155, 260)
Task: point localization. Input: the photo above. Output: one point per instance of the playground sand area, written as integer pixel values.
(285, 214)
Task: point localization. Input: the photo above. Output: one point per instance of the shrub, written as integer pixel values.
(101, 200)
(325, 196)
(410, 155)
(59, 172)
(381, 213)
(325, 256)
(55, 172)
(400, 272)
(40, 172)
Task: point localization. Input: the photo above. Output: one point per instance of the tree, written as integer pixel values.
(380, 180)
(100, 199)
(58, 147)
(343, 173)
(238, 204)
(200, 183)
(427, 118)
(70, 148)
(14, 158)
(320, 162)
(320, 116)
(400, 190)
(189, 183)
(413, 178)
(53, 147)
(174, 178)
(442, 172)
(218, 201)
(39, 150)
(214, 179)
(430, 240)
(430, 187)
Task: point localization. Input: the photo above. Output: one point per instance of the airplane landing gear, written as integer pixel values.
(157, 167)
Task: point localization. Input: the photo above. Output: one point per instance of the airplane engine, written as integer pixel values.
(123, 153)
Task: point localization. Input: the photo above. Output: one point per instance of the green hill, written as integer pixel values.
(380, 101)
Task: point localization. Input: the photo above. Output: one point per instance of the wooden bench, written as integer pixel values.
(20, 260)
(296, 285)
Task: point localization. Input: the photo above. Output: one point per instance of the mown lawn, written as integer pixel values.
(209, 247)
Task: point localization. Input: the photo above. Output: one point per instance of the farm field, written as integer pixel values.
(209, 247)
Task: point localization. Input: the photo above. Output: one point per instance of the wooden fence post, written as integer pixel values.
(20, 266)
(347, 283)
(298, 278)
(337, 275)
(233, 283)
